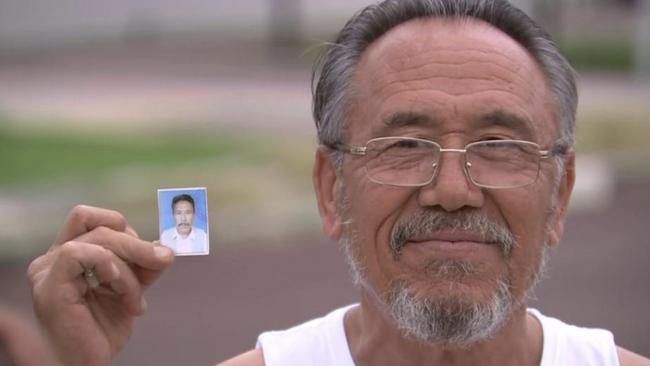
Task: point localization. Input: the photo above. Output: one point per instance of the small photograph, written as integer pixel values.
(183, 217)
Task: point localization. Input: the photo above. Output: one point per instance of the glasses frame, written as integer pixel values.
(556, 149)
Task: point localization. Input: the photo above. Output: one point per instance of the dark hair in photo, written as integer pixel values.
(182, 197)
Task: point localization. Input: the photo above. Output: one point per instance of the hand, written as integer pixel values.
(89, 326)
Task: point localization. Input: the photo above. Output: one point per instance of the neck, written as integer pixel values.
(375, 340)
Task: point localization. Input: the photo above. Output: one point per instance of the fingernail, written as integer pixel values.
(162, 252)
(143, 304)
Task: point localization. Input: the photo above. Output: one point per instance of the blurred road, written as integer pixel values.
(207, 83)
(204, 310)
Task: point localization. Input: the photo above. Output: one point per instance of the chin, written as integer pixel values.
(450, 312)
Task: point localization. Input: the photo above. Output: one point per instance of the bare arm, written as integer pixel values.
(629, 358)
(253, 357)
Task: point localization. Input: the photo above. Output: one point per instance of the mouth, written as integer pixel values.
(454, 247)
(465, 231)
(452, 238)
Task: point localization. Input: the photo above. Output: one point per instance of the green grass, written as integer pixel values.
(599, 54)
(35, 155)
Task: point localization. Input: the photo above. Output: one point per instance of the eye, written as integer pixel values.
(493, 138)
(405, 144)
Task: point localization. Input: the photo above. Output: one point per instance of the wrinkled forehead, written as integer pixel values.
(458, 56)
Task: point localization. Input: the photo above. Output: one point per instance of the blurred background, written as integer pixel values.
(102, 103)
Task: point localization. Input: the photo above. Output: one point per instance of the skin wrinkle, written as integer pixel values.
(512, 68)
(489, 88)
(443, 76)
(524, 113)
(416, 68)
(506, 85)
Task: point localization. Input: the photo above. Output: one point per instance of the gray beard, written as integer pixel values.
(449, 321)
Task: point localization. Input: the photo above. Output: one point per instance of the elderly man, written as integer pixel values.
(445, 168)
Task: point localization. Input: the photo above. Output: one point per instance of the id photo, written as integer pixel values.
(183, 217)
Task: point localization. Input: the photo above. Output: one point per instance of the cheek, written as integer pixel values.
(374, 209)
(526, 215)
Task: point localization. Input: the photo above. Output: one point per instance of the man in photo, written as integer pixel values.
(184, 237)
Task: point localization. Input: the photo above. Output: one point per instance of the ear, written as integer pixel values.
(556, 226)
(325, 185)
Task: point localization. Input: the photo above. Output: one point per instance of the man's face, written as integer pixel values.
(453, 83)
(183, 216)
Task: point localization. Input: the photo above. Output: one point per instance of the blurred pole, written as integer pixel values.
(285, 22)
(642, 46)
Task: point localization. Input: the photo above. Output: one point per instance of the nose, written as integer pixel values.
(451, 188)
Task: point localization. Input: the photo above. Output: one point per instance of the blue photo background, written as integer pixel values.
(165, 207)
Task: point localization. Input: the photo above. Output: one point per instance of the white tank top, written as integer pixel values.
(322, 342)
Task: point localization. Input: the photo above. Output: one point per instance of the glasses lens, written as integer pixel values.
(503, 164)
(401, 161)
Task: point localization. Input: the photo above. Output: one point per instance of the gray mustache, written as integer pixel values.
(425, 223)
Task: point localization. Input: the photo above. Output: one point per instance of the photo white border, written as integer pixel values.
(207, 219)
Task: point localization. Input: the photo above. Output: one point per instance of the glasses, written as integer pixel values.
(414, 162)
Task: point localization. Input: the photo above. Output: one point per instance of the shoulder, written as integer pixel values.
(253, 357)
(629, 358)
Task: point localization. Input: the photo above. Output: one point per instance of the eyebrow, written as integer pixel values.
(496, 118)
(405, 119)
(513, 122)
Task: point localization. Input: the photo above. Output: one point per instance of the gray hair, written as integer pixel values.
(333, 71)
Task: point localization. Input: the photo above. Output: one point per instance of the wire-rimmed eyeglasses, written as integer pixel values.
(413, 162)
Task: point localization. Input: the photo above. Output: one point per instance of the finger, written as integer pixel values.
(37, 267)
(75, 257)
(131, 250)
(62, 282)
(86, 218)
(131, 231)
(147, 276)
(128, 286)
(108, 269)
